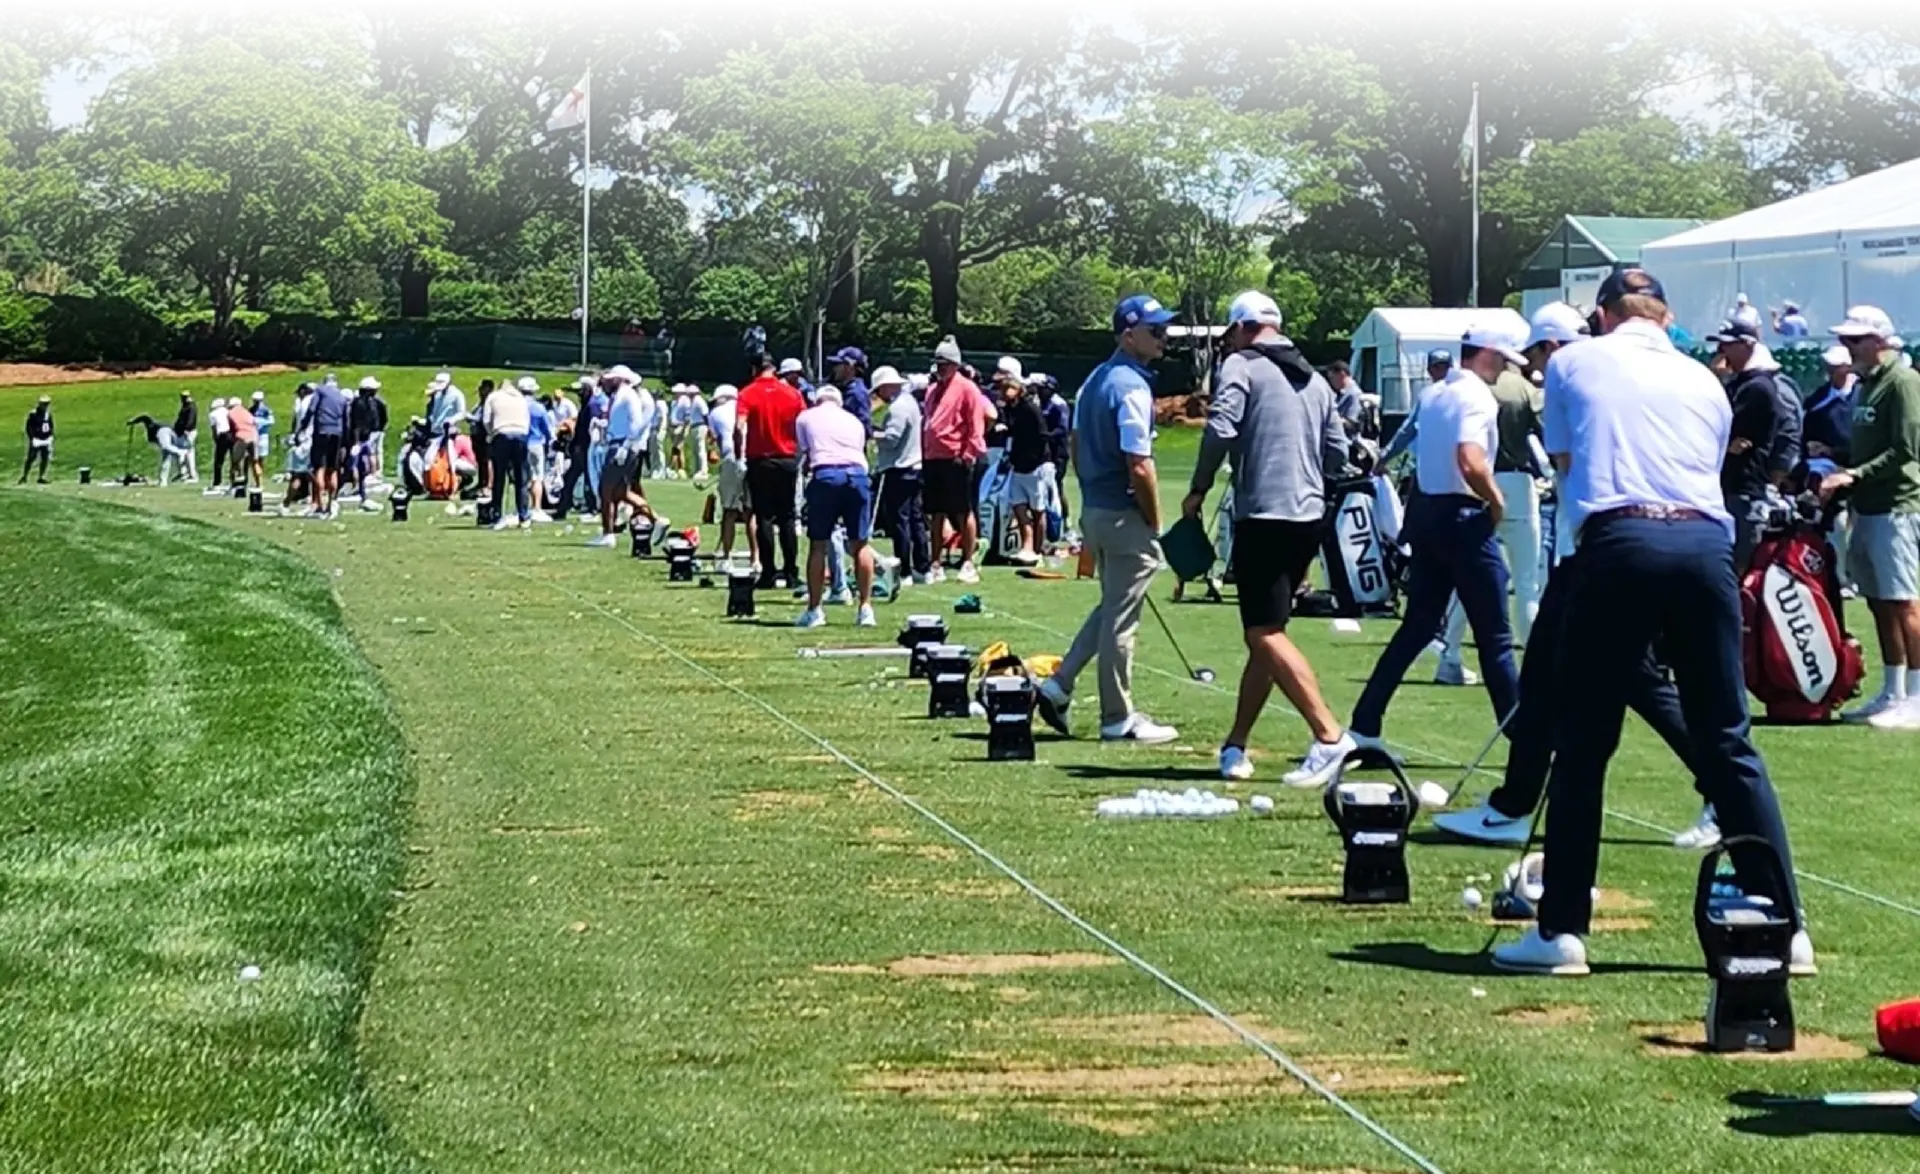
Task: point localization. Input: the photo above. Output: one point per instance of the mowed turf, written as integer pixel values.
(651, 922)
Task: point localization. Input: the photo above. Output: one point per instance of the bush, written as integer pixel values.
(23, 326)
(106, 329)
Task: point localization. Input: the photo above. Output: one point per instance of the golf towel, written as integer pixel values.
(1188, 550)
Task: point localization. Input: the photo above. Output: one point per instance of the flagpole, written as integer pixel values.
(586, 218)
(1473, 288)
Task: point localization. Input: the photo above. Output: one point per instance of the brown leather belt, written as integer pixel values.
(1654, 513)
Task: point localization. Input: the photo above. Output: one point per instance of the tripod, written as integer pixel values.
(128, 477)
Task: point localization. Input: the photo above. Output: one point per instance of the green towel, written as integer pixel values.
(1188, 549)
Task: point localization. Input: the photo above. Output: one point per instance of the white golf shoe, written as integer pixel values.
(968, 573)
(1234, 763)
(1903, 716)
(1703, 836)
(864, 618)
(1321, 763)
(1561, 957)
(1138, 728)
(813, 617)
(1483, 825)
(1865, 712)
(604, 542)
(1452, 672)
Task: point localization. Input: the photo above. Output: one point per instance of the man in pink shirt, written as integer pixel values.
(955, 436)
(244, 434)
(832, 446)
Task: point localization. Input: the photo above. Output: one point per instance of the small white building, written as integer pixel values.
(1582, 251)
(1391, 345)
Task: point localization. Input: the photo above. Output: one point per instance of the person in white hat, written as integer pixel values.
(263, 424)
(688, 439)
(222, 447)
(1882, 480)
(897, 462)
(446, 403)
(539, 445)
(507, 420)
(731, 491)
(953, 439)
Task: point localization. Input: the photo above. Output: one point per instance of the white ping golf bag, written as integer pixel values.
(1360, 562)
(999, 534)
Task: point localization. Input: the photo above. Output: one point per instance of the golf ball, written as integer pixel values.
(1470, 897)
(1432, 795)
(249, 974)
(1261, 804)
(1204, 676)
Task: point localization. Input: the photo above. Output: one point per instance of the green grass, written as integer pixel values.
(624, 879)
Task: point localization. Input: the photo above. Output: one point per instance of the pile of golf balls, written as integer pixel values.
(1147, 804)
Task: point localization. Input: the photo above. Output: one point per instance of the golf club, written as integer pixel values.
(1454, 791)
(839, 653)
(1203, 674)
(1902, 1098)
(1533, 829)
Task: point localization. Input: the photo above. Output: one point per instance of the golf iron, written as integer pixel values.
(1203, 674)
(1461, 783)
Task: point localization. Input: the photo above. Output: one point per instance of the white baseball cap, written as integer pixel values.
(791, 367)
(1008, 365)
(887, 377)
(1254, 306)
(1556, 322)
(369, 384)
(441, 380)
(621, 373)
(527, 385)
(1495, 338)
(258, 395)
(1837, 356)
(217, 404)
(948, 352)
(725, 392)
(1866, 322)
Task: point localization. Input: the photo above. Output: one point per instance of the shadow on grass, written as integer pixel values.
(1424, 958)
(1428, 837)
(1782, 1117)
(1191, 774)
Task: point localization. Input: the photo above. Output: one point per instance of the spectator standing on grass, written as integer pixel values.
(896, 457)
(263, 422)
(366, 417)
(1032, 494)
(1120, 522)
(539, 443)
(576, 426)
(186, 431)
(1279, 423)
(446, 403)
(731, 491)
(794, 375)
(764, 435)
(1059, 418)
(1638, 431)
(954, 436)
(329, 447)
(245, 435)
(832, 448)
(849, 375)
(482, 445)
(1884, 479)
(1518, 464)
(39, 439)
(222, 447)
(299, 450)
(508, 420)
(626, 450)
(376, 426)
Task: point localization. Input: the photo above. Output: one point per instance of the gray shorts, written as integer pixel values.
(1883, 556)
(1035, 490)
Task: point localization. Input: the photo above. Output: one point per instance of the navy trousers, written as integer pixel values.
(1651, 694)
(1455, 551)
(1636, 581)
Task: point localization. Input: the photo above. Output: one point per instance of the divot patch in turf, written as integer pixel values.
(1305, 893)
(1549, 1015)
(1160, 1031)
(531, 829)
(972, 965)
(1615, 901)
(1679, 1040)
(1178, 1083)
(761, 804)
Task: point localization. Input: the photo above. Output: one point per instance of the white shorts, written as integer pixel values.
(537, 464)
(262, 445)
(1883, 556)
(733, 485)
(1035, 490)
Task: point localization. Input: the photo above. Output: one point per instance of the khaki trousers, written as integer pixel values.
(1126, 553)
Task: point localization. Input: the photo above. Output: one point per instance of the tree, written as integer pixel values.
(735, 294)
(1387, 111)
(239, 172)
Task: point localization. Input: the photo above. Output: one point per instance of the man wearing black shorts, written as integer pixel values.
(1276, 418)
(765, 435)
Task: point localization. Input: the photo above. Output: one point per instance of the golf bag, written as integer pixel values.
(999, 534)
(1801, 663)
(415, 445)
(1361, 562)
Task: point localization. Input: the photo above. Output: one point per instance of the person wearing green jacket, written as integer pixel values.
(1883, 556)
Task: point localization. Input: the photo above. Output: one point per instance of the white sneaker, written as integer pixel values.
(1564, 956)
(1234, 763)
(967, 573)
(1703, 836)
(1483, 825)
(841, 598)
(813, 617)
(1139, 728)
(799, 589)
(541, 516)
(1321, 763)
(1860, 714)
(1800, 962)
(864, 617)
(937, 575)
(369, 506)
(605, 542)
(1452, 672)
(1904, 716)
(504, 524)
(1052, 703)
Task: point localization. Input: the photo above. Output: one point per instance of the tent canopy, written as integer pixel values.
(1850, 243)
(1391, 343)
(1592, 242)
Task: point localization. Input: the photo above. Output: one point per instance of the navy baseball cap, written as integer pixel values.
(1140, 310)
(850, 354)
(1441, 356)
(1735, 332)
(1622, 282)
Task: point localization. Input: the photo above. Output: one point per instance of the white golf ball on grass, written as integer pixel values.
(1470, 897)
(1261, 804)
(1432, 796)
(249, 973)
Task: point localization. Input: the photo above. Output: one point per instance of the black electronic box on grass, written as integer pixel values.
(740, 585)
(949, 667)
(679, 560)
(1748, 942)
(398, 503)
(921, 633)
(1373, 818)
(1008, 699)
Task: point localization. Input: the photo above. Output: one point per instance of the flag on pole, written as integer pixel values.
(572, 110)
(1470, 138)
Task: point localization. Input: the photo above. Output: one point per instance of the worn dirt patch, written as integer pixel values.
(1615, 901)
(815, 759)
(972, 965)
(1160, 1031)
(1669, 1040)
(1621, 924)
(1552, 1015)
(889, 835)
(543, 829)
(41, 374)
(1183, 1082)
(938, 852)
(760, 804)
(1015, 994)
(1293, 892)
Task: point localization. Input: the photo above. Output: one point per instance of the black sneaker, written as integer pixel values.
(1052, 708)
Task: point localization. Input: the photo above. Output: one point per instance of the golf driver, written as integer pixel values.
(1203, 674)
(1903, 1098)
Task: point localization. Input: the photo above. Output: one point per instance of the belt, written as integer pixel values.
(1654, 513)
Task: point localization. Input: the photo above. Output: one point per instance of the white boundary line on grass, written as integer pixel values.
(1443, 760)
(1419, 1160)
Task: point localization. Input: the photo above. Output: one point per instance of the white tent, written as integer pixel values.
(1851, 243)
(1391, 344)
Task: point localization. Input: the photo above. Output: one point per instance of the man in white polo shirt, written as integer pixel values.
(1638, 430)
(1451, 525)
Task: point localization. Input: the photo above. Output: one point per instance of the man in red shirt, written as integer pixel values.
(764, 435)
(955, 436)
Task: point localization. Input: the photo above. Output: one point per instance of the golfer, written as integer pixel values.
(1120, 521)
(849, 371)
(246, 439)
(764, 435)
(1638, 431)
(576, 432)
(39, 439)
(329, 447)
(953, 439)
(539, 444)
(896, 457)
(446, 403)
(1884, 479)
(832, 447)
(173, 456)
(1451, 525)
(626, 450)
(1031, 488)
(1516, 464)
(508, 422)
(732, 490)
(1279, 422)
(263, 422)
(222, 447)
(186, 425)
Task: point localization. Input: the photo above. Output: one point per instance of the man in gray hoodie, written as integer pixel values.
(1279, 422)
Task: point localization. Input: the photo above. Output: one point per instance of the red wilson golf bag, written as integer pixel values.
(1800, 661)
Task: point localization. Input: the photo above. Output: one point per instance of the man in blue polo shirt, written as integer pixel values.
(1638, 431)
(1119, 521)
